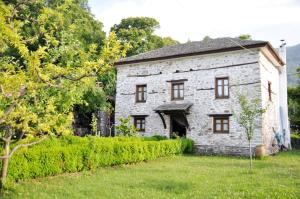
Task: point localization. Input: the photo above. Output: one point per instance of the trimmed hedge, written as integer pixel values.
(295, 141)
(74, 154)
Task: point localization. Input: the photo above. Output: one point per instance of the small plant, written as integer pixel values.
(126, 128)
(94, 125)
(249, 111)
(174, 135)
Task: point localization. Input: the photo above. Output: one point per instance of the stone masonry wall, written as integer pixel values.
(242, 68)
(270, 119)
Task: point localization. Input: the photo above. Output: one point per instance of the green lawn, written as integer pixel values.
(175, 177)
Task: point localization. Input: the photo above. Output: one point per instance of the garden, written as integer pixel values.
(149, 167)
(175, 176)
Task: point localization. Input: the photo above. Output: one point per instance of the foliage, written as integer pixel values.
(155, 138)
(94, 98)
(94, 125)
(295, 141)
(108, 81)
(42, 84)
(187, 145)
(138, 33)
(126, 128)
(245, 37)
(294, 106)
(46, 67)
(74, 15)
(73, 154)
(77, 30)
(250, 110)
(180, 176)
(206, 38)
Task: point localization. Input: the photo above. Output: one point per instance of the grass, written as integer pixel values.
(175, 177)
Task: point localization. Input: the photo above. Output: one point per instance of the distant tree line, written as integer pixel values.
(294, 106)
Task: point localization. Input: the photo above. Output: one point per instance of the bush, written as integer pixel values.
(74, 154)
(295, 141)
(155, 138)
(125, 128)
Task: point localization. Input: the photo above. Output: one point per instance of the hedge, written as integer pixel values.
(74, 154)
(295, 141)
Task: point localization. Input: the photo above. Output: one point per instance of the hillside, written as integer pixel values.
(293, 61)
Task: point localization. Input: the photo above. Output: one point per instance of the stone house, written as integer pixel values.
(192, 89)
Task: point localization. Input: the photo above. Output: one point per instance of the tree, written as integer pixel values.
(138, 33)
(86, 30)
(44, 72)
(294, 106)
(206, 38)
(249, 111)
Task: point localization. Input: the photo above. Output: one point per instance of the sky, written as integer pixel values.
(183, 20)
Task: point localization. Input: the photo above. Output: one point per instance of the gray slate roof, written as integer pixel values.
(193, 47)
(173, 107)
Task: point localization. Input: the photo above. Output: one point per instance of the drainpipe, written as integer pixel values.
(283, 98)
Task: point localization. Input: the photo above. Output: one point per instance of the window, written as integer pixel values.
(139, 123)
(141, 93)
(177, 92)
(222, 88)
(221, 124)
(270, 90)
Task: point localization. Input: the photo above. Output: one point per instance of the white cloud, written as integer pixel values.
(193, 19)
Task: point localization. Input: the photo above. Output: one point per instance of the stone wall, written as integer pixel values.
(242, 68)
(222, 150)
(270, 120)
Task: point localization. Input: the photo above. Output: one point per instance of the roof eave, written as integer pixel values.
(275, 54)
(203, 53)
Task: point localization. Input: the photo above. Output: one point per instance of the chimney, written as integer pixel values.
(283, 98)
(282, 50)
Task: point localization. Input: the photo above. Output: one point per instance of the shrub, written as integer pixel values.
(74, 154)
(125, 128)
(187, 145)
(295, 141)
(155, 138)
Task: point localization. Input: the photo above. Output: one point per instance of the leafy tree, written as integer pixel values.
(85, 29)
(168, 41)
(249, 111)
(45, 71)
(77, 17)
(294, 106)
(138, 32)
(206, 38)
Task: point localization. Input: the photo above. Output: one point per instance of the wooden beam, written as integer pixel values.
(162, 119)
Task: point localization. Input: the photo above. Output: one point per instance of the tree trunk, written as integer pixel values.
(5, 161)
(250, 155)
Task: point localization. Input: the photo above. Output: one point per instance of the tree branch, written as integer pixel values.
(74, 78)
(12, 107)
(64, 77)
(23, 145)
(8, 111)
(45, 81)
(14, 11)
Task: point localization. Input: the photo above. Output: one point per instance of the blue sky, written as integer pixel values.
(184, 20)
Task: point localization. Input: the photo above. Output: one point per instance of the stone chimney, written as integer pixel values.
(283, 98)
(282, 50)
